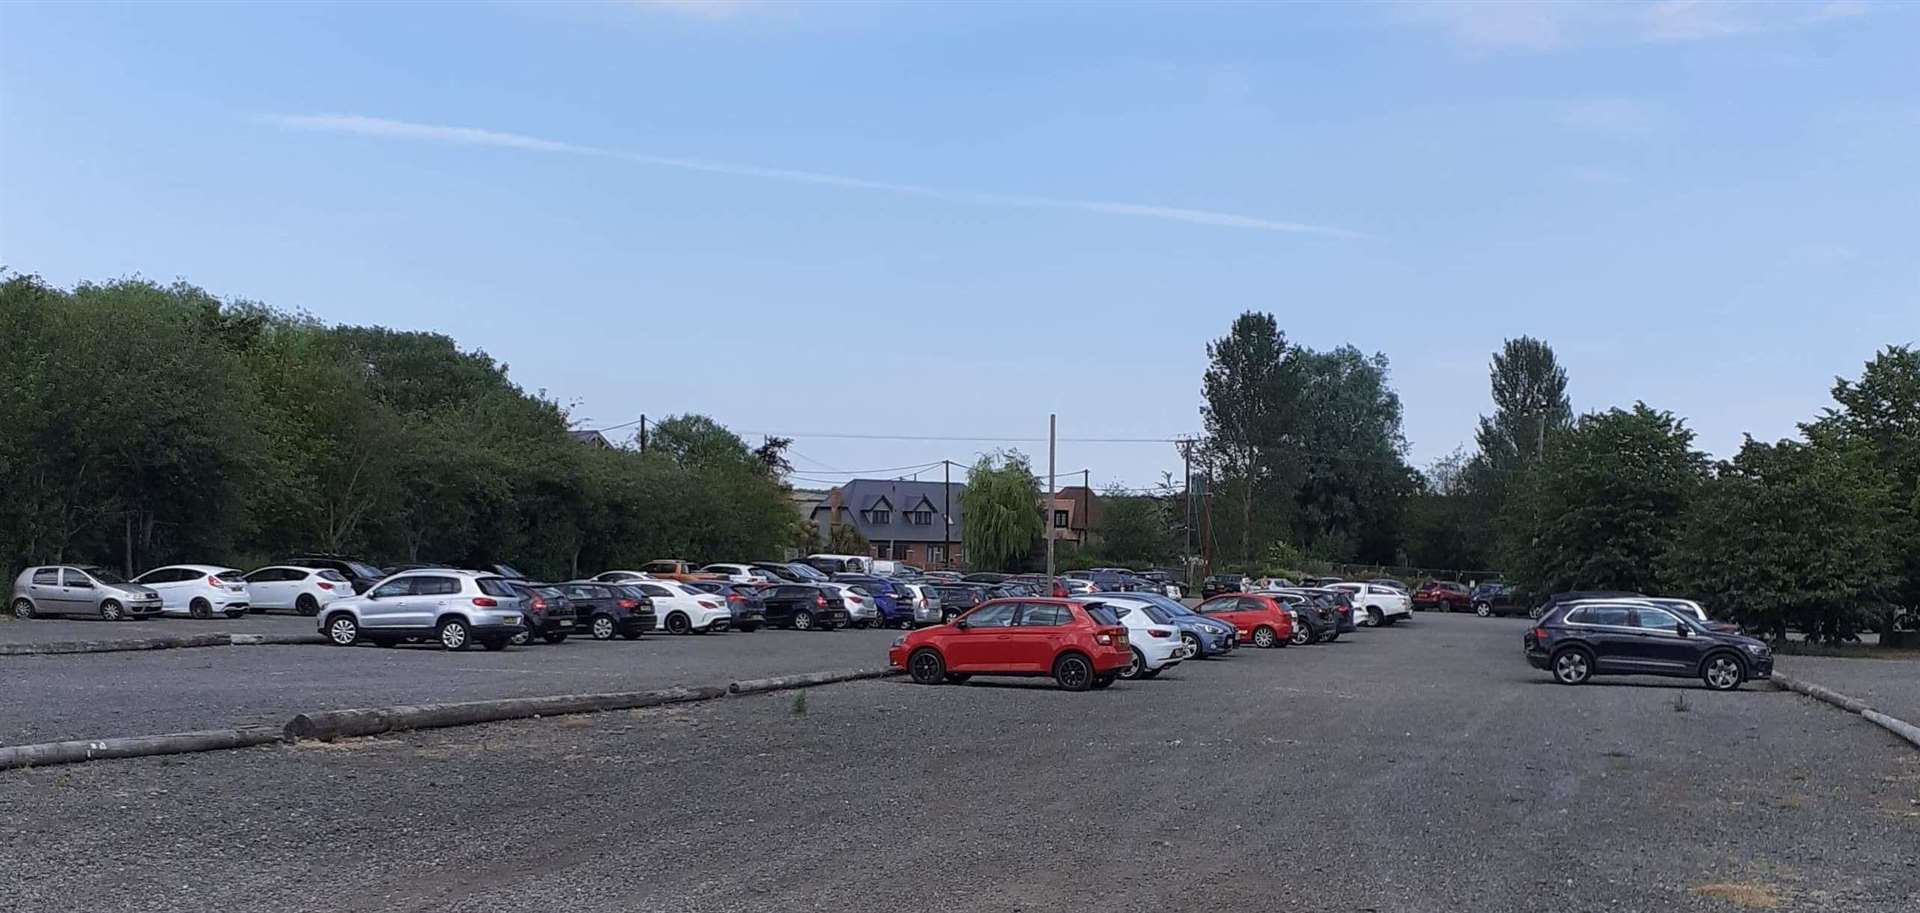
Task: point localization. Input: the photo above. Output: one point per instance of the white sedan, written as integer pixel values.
(622, 577)
(303, 589)
(1156, 647)
(1375, 605)
(682, 609)
(198, 590)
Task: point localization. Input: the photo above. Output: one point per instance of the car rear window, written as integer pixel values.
(331, 574)
(495, 586)
(1102, 615)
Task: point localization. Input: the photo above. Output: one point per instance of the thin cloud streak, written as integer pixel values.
(471, 136)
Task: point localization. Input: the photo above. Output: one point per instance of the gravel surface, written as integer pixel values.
(99, 695)
(47, 630)
(1419, 768)
(1891, 686)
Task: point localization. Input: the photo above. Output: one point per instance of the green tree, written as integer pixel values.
(1002, 511)
(1251, 388)
(845, 539)
(1440, 528)
(1787, 532)
(1356, 480)
(1879, 417)
(1529, 405)
(1602, 506)
(1132, 529)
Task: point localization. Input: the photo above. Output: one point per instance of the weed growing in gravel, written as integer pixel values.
(1680, 702)
(800, 703)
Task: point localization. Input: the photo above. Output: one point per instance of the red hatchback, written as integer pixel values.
(1261, 620)
(1082, 645)
(1444, 595)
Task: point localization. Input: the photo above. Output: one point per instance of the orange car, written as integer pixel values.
(675, 569)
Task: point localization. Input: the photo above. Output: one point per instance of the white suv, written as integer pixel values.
(1156, 647)
(198, 590)
(1375, 605)
(453, 608)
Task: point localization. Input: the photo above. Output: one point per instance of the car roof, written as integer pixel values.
(208, 568)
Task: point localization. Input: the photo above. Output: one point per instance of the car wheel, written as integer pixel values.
(1371, 619)
(1105, 681)
(947, 616)
(200, 608)
(601, 627)
(1192, 644)
(926, 666)
(343, 631)
(1483, 610)
(1263, 636)
(1073, 672)
(1572, 666)
(1723, 672)
(23, 609)
(306, 605)
(454, 635)
(803, 620)
(1135, 667)
(958, 678)
(111, 611)
(1301, 635)
(520, 638)
(677, 623)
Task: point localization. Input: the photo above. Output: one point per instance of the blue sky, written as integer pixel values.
(952, 220)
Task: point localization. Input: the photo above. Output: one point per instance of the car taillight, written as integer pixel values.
(820, 601)
(325, 585)
(539, 605)
(1539, 635)
(1059, 590)
(485, 602)
(215, 581)
(1156, 632)
(1103, 638)
(707, 603)
(736, 597)
(629, 604)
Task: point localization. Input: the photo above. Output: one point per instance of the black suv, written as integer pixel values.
(1578, 639)
(804, 607)
(1490, 600)
(549, 614)
(1221, 583)
(606, 610)
(743, 600)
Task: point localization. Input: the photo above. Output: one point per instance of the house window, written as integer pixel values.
(920, 517)
(880, 516)
(1059, 519)
(883, 550)
(936, 554)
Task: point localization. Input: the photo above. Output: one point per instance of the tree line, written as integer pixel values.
(147, 424)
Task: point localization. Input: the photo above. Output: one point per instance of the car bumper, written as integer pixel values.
(143, 609)
(1159, 654)
(896, 657)
(1759, 666)
(1537, 658)
(1112, 661)
(752, 618)
(637, 624)
(484, 630)
(926, 615)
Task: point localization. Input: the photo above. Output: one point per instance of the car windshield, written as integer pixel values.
(806, 572)
(330, 574)
(105, 576)
(366, 571)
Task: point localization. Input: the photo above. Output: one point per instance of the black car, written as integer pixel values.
(1317, 615)
(1221, 583)
(1556, 599)
(1580, 638)
(743, 600)
(1491, 599)
(360, 575)
(790, 572)
(987, 577)
(804, 607)
(957, 598)
(549, 615)
(609, 610)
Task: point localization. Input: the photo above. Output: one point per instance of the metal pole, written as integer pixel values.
(643, 434)
(1186, 533)
(946, 514)
(1050, 496)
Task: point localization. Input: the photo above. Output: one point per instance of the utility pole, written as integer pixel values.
(946, 514)
(1186, 532)
(643, 434)
(1050, 495)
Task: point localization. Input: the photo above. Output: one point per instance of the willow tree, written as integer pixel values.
(1001, 511)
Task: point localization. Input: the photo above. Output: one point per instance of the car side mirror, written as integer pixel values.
(962, 624)
(1680, 628)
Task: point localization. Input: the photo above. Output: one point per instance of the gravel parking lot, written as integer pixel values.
(47, 630)
(1419, 768)
(1889, 685)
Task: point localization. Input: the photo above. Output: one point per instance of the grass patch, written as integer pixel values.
(1754, 896)
(800, 702)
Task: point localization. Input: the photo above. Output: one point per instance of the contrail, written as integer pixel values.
(397, 129)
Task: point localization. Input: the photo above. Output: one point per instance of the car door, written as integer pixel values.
(78, 594)
(268, 588)
(1224, 608)
(1609, 631)
(165, 582)
(986, 643)
(386, 605)
(1038, 633)
(44, 589)
(1660, 645)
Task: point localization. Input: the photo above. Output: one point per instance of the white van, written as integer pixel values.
(841, 564)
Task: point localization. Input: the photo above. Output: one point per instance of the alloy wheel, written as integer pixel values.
(602, 627)
(111, 611)
(927, 668)
(1483, 610)
(1571, 667)
(1073, 674)
(1723, 673)
(1300, 636)
(1135, 666)
(1263, 637)
(343, 631)
(22, 609)
(453, 635)
(803, 620)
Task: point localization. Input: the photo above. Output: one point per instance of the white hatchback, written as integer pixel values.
(198, 590)
(862, 611)
(1156, 647)
(1375, 605)
(306, 590)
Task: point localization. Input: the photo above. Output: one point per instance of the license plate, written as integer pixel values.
(1120, 641)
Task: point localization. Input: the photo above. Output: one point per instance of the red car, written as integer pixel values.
(1262, 620)
(1444, 595)
(1082, 645)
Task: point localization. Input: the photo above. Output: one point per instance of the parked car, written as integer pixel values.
(1444, 596)
(1494, 599)
(1223, 583)
(452, 608)
(684, 610)
(957, 598)
(1340, 602)
(1077, 587)
(674, 569)
(1259, 619)
(1103, 579)
(1389, 583)
(896, 609)
(925, 602)
(609, 610)
(840, 564)
(1376, 605)
(305, 590)
(805, 606)
(781, 570)
(1577, 639)
(985, 577)
(360, 575)
(621, 576)
(743, 602)
(1207, 636)
(198, 590)
(861, 610)
(1315, 620)
(1269, 583)
(740, 573)
(1156, 645)
(945, 576)
(549, 615)
(1554, 600)
(1165, 581)
(1081, 646)
(1693, 610)
(1321, 581)
(74, 589)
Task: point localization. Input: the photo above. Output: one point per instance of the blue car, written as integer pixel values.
(896, 607)
(1208, 636)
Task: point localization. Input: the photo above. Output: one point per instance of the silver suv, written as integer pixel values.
(67, 589)
(451, 607)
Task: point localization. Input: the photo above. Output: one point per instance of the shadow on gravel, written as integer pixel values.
(1677, 684)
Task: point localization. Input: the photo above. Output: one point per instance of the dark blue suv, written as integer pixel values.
(1579, 639)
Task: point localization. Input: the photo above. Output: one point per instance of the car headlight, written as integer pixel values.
(900, 641)
(1757, 649)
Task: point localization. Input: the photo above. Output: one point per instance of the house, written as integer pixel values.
(1073, 515)
(807, 500)
(915, 522)
(592, 439)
